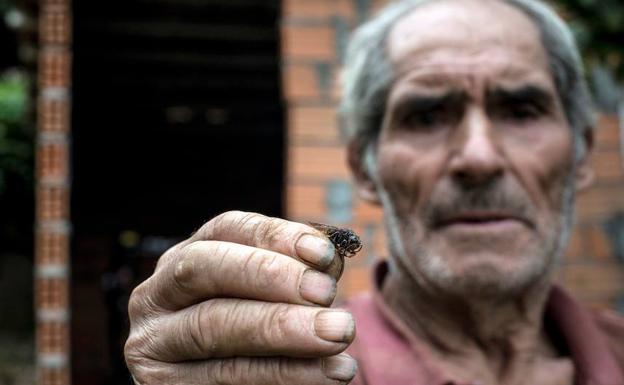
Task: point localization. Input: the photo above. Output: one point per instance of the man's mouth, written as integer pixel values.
(482, 220)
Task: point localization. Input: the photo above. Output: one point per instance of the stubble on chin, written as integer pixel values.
(478, 278)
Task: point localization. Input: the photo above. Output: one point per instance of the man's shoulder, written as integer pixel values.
(611, 324)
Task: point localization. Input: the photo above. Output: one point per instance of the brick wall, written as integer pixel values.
(52, 194)
(318, 182)
(590, 269)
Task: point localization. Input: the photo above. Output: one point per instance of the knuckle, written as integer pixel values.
(200, 327)
(229, 372)
(131, 352)
(283, 324)
(137, 306)
(258, 370)
(234, 218)
(225, 217)
(191, 265)
(184, 266)
(279, 370)
(282, 371)
(167, 256)
(206, 231)
(227, 221)
(136, 347)
(209, 323)
(148, 372)
(269, 230)
(271, 270)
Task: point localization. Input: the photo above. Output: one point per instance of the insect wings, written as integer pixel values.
(346, 241)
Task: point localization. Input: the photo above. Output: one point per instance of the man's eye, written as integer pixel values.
(522, 112)
(425, 119)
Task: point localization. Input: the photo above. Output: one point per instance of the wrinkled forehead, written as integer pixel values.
(467, 35)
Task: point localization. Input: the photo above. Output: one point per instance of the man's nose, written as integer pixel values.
(476, 153)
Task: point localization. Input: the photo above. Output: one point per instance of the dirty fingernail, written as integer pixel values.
(317, 287)
(335, 326)
(316, 250)
(341, 367)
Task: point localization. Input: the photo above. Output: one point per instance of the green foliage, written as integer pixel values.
(5, 5)
(599, 29)
(16, 148)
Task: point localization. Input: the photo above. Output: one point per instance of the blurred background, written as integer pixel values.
(125, 125)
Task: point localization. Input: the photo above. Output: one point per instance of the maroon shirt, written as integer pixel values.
(388, 353)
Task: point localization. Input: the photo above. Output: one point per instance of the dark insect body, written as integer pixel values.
(346, 241)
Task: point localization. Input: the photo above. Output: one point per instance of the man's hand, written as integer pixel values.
(243, 301)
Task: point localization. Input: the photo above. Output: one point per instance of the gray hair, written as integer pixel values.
(368, 74)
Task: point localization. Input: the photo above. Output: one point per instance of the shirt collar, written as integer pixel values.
(593, 360)
(594, 363)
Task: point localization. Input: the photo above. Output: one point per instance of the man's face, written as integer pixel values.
(475, 153)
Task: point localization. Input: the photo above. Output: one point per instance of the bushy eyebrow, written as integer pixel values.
(421, 102)
(531, 94)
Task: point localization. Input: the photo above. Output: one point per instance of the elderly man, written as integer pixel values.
(469, 123)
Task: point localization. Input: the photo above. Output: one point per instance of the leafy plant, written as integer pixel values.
(599, 29)
(598, 26)
(16, 148)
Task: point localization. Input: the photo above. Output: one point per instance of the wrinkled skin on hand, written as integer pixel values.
(243, 301)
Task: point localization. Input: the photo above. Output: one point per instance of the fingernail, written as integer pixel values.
(335, 326)
(317, 287)
(316, 250)
(341, 367)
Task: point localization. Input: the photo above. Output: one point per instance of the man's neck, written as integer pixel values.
(494, 340)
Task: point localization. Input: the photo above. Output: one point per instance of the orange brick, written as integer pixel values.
(607, 132)
(344, 8)
(607, 165)
(54, 376)
(311, 42)
(52, 337)
(595, 280)
(51, 293)
(306, 201)
(300, 82)
(374, 243)
(378, 4)
(367, 212)
(308, 8)
(313, 124)
(316, 162)
(54, 69)
(52, 160)
(51, 248)
(374, 246)
(54, 25)
(53, 116)
(354, 281)
(381, 242)
(336, 92)
(318, 9)
(52, 203)
(576, 245)
(599, 202)
(598, 244)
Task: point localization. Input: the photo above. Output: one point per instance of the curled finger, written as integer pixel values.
(230, 327)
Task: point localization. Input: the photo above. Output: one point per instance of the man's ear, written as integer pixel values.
(584, 171)
(366, 187)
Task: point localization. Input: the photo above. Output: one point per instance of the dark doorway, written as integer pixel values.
(177, 116)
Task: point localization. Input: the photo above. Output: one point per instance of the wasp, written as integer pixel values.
(346, 241)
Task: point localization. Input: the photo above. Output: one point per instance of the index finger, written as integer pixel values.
(279, 235)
